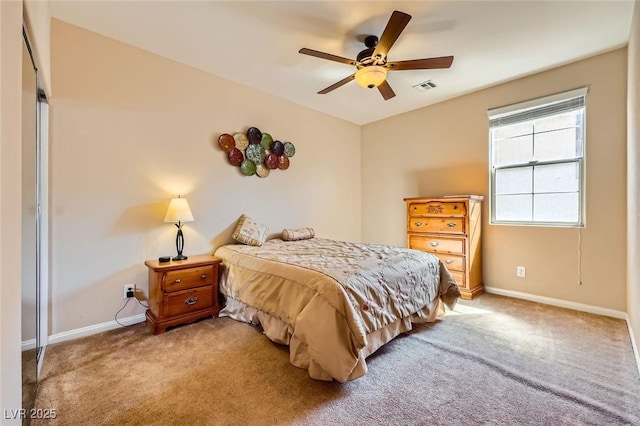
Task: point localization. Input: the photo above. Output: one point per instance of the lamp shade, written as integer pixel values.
(371, 76)
(178, 211)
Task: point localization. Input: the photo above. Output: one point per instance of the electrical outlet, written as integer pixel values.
(129, 288)
(521, 271)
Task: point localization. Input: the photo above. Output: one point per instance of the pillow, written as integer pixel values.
(250, 232)
(298, 234)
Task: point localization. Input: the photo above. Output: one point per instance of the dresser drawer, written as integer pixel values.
(460, 278)
(437, 208)
(451, 225)
(180, 279)
(437, 244)
(185, 301)
(452, 262)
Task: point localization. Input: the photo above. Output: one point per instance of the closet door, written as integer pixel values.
(30, 221)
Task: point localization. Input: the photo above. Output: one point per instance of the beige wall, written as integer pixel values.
(633, 177)
(130, 130)
(10, 206)
(443, 149)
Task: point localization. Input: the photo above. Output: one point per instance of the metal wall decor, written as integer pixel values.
(256, 153)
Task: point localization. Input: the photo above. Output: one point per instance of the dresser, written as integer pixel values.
(182, 291)
(450, 228)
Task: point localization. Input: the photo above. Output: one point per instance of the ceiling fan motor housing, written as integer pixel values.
(365, 55)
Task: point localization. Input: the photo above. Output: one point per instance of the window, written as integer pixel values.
(537, 161)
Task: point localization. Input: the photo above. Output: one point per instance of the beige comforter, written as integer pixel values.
(332, 302)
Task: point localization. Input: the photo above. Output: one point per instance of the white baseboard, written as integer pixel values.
(94, 329)
(27, 345)
(558, 302)
(634, 344)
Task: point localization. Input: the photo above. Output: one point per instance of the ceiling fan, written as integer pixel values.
(372, 62)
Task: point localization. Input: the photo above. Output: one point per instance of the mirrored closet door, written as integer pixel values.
(33, 130)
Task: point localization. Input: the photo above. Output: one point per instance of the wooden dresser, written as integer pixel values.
(450, 228)
(182, 291)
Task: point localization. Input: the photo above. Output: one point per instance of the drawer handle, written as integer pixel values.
(204, 276)
(191, 301)
(451, 225)
(418, 224)
(178, 280)
(448, 261)
(434, 244)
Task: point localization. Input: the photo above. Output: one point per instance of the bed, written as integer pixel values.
(333, 302)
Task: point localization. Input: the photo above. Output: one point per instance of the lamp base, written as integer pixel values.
(179, 243)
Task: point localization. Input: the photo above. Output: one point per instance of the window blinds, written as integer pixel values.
(538, 108)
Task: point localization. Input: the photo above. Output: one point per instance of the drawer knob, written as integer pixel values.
(204, 276)
(434, 244)
(448, 261)
(191, 301)
(451, 225)
(418, 224)
(178, 280)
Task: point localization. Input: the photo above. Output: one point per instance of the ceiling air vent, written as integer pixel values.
(425, 85)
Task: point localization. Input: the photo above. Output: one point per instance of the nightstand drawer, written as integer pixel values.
(436, 244)
(185, 301)
(180, 279)
(448, 225)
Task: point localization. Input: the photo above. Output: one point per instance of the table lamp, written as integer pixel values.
(179, 213)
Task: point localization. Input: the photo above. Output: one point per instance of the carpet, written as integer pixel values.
(494, 361)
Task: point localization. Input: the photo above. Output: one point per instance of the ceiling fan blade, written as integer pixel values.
(421, 64)
(338, 84)
(386, 91)
(395, 26)
(329, 56)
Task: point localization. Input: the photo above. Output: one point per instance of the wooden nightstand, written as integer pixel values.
(182, 291)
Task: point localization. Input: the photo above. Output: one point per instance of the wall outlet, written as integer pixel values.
(521, 271)
(129, 288)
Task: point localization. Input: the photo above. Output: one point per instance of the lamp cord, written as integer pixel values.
(124, 306)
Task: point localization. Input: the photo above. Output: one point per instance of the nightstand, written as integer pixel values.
(182, 291)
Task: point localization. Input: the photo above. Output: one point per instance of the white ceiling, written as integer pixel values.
(256, 43)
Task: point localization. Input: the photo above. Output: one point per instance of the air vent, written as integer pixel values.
(425, 85)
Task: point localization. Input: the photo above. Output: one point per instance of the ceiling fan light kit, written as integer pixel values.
(371, 76)
(372, 62)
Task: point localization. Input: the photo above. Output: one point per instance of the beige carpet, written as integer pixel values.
(495, 360)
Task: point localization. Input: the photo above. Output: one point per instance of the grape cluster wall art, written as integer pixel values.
(256, 153)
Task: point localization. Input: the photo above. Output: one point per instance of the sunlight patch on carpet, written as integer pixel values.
(461, 309)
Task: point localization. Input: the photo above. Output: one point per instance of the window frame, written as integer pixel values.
(533, 106)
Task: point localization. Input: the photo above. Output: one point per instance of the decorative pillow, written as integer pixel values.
(250, 232)
(298, 234)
